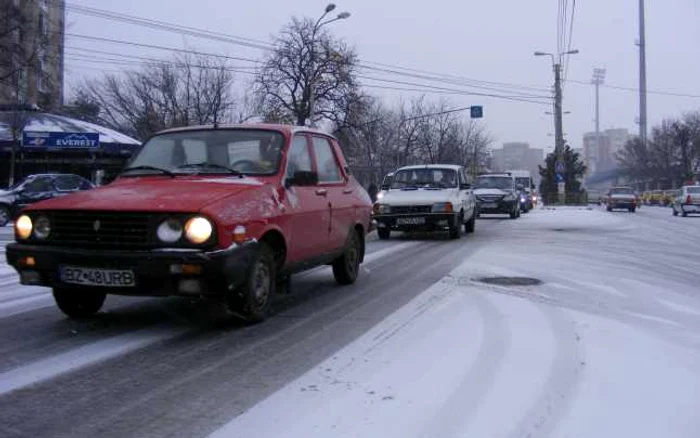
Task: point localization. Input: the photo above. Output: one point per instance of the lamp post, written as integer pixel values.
(598, 79)
(558, 123)
(312, 82)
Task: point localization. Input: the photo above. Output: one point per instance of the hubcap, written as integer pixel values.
(261, 284)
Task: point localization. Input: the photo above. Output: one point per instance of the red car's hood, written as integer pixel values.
(181, 194)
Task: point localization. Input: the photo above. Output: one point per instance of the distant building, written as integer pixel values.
(31, 43)
(600, 155)
(517, 156)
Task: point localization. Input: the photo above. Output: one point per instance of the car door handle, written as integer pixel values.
(322, 192)
(347, 191)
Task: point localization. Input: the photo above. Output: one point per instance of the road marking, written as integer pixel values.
(81, 357)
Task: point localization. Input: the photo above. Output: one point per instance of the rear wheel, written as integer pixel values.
(252, 300)
(79, 303)
(675, 213)
(347, 267)
(383, 233)
(632, 209)
(4, 215)
(609, 208)
(514, 213)
(684, 214)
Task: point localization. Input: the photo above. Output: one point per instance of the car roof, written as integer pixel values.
(496, 174)
(287, 129)
(431, 166)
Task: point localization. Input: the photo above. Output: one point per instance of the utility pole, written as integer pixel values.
(598, 80)
(558, 123)
(642, 77)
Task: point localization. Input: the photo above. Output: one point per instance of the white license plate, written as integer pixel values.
(410, 221)
(98, 277)
(489, 205)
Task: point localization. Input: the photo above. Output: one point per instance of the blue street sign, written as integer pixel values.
(559, 167)
(560, 177)
(476, 111)
(61, 140)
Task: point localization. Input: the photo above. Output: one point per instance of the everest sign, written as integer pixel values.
(61, 140)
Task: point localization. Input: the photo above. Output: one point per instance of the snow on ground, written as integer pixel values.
(607, 346)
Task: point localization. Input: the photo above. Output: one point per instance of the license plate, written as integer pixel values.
(410, 221)
(489, 205)
(98, 277)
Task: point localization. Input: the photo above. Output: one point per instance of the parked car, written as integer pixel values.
(225, 213)
(687, 201)
(622, 198)
(594, 197)
(655, 197)
(431, 197)
(35, 188)
(497, 193)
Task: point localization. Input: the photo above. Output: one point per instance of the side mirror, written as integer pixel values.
(465, 186)
(302, 178)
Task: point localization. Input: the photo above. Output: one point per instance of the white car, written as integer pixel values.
(430, 197)
(687, 202)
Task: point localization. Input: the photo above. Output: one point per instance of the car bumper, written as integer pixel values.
(501, 207)
(156, 272)
(622, 204)
(423, 221)
(690, 208)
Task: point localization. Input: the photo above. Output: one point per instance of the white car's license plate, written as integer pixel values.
(410, 221)
(98, 277)
(489, 205)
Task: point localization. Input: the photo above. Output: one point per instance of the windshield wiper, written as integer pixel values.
(146, 167)
(210, 166)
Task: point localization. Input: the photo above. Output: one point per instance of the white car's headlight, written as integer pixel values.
(42, 227)
(23, 227)
(198, 230)
(169, 231)
(443, 207)
(382, 209)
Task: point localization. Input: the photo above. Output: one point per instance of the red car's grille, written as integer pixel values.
(101, 229)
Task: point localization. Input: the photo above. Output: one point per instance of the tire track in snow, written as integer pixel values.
(457, 410)
(562, 385)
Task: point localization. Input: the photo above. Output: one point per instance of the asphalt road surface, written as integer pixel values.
(169, 367)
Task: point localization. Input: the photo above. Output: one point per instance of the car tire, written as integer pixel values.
(4, 215)
(346, 268)
(384, 233)
(251, 301)
(470, 225)
(514, 214)
(456, 228)
(609, 208)
(79, 303)
(632, 210)
(675, 213)
(684, 214)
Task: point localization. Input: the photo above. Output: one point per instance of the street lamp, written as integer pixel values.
(319, 24)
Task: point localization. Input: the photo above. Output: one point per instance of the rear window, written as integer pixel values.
(622, 191)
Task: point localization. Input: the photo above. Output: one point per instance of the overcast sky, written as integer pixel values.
(488, 40)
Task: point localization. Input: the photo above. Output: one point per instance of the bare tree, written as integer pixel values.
(306, 60)
(191, 89)
(15, 119)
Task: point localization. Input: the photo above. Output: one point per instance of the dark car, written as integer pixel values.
(36, 188)
(623, 198)
(225, 212)
(497, 194)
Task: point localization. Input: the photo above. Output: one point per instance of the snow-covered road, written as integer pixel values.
(607, 345)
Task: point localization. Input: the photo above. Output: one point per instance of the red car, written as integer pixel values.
(224, 212)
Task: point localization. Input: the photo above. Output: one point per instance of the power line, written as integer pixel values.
(571, 37)
(636, 90)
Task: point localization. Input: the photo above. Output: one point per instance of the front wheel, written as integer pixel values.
(346, 268)
(632, 210)
(470, 224)
(684, 214)
(79, 303)
(4, 215)
(675, 213)
(252, 300)
(383, 233)
(456, 228)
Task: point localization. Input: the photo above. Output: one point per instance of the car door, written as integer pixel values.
(308, 213)
(465, 195)
(333, 182)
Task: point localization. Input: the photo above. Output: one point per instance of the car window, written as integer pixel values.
(299, 158)
(68, 182)
(38, 185)
(693, 190)
(328, 169)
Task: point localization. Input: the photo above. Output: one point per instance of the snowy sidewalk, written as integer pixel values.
(603, 347)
